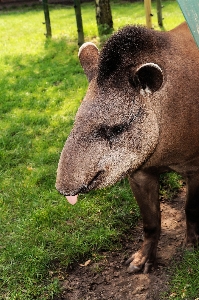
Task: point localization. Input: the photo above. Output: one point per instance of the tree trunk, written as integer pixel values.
(147, 5)
(104, 16)
(47, 18)
(78, 14)
(159, 12)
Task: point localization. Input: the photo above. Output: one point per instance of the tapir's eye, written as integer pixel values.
(117, 129)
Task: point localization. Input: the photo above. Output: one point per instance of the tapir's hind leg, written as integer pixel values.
(192, 211)
(145, 187)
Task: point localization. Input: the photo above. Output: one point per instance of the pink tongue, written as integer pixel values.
(72, 199)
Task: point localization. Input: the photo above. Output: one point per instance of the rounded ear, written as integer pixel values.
(148, 77)
(88, 56)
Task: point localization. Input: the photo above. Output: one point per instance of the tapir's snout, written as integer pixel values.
(79, 171)
(70, 184)
(84, 188)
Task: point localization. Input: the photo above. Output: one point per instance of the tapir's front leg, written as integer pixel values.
(145, 187)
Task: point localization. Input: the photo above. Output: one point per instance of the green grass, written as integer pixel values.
(170, 183)
(41, 88)
(185, 278)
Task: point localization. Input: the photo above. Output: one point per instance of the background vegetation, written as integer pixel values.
(41, 87)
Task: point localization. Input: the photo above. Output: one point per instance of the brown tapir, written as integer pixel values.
(139, 118)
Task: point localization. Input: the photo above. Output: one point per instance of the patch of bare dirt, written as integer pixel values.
(108, 279)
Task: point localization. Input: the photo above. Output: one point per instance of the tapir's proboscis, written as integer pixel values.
(139, 118)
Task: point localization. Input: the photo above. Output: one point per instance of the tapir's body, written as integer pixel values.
(140, 117)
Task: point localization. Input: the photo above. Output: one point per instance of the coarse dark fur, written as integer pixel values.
(128, 42)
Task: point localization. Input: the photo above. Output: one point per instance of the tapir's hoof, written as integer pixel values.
(188, 246)
(132, 269)
(191, 241)
(147, 267)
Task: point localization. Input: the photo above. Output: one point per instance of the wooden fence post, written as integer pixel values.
(147, 5)
(159, 12)
(47, 18)
(78, 14)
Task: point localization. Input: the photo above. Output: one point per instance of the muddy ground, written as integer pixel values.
(108, 279)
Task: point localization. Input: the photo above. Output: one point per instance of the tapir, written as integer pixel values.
(139, 118)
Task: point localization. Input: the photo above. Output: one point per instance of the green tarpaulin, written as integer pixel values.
(190, 9)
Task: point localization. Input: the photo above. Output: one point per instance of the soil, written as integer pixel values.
(107, 278)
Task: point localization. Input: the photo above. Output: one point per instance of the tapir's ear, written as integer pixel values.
(148, 77)
(88, 56)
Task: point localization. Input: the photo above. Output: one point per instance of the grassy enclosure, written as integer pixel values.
(41, 88)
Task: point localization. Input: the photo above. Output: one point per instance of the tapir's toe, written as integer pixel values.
(133, 269)
(191, 241)
(147, 267)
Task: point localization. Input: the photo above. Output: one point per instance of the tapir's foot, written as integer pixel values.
(192, 237)
(139, 262)
(191, 243)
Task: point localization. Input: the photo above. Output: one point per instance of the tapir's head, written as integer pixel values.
(116, 127)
